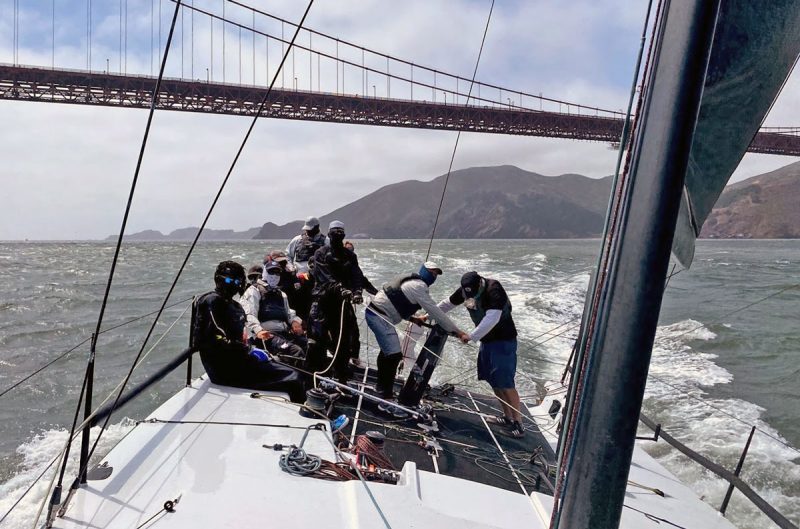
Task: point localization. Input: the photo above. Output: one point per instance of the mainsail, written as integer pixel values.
(755, 48)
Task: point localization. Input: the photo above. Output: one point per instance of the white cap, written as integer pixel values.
(336, 224)
(311, 223)
(430, 265)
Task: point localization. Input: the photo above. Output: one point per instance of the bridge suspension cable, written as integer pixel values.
(438, 73)
(329, 79)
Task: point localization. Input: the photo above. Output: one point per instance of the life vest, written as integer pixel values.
(477, 313)
(401, 303)
(307, 246)
(272, 306)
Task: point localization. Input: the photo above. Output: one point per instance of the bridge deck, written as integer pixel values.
(25, 83)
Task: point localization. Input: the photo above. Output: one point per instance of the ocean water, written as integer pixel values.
(716, 370)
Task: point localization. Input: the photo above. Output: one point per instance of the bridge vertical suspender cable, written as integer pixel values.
(87, 383)
(235, 161)
(458, 136)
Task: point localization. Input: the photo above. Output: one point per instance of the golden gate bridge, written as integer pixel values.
(226, 67)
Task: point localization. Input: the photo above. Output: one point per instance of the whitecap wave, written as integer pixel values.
(35, 455)
(678, 397)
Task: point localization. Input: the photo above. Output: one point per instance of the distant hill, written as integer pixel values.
(188, 234)
(481, 203)
(766, 206)
(508, 202)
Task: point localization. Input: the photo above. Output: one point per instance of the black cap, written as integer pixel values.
(470, 283)
(255, 271)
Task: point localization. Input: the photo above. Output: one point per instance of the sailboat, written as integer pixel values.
(214, 456)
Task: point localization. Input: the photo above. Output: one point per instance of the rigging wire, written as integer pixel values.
(360, 477)
(338, 345)
(683, 393)
(617, 202)
(740, 309)
(115, 259)
(88, 420)
(210, 210)
(499, 447)
(358, 65)
(429, 69)
(458, 135)
(68, 351)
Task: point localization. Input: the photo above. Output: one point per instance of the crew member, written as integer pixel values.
(490, 310)
(270, 321)
(303, 246)
(332, 322)
(219, 335)
(400, 299)
(290, 284)
(254, 274)
(300, 250)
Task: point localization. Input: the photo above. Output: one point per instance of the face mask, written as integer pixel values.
(272, 280)
(426, 275)
(336, 237)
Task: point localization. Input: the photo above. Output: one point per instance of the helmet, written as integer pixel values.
(230, 278)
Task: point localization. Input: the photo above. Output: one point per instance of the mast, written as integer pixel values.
(594, 472)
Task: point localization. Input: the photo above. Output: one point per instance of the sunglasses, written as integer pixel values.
(274, 271)
(229, 280)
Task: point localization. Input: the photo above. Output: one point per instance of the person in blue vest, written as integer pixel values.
(220, 337)
(271, 323)
(489, 308)
(398, 300)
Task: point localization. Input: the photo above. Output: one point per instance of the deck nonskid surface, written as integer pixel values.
(466, 448)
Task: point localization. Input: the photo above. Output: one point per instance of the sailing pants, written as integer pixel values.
(326, 321)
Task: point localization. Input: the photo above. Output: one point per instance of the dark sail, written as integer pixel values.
(755, 47)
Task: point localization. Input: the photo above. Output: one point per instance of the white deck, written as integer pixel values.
(224, 477)
(680, 505)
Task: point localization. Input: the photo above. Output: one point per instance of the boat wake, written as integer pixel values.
(33, 457)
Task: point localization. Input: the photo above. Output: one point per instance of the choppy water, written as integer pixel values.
(743, 364)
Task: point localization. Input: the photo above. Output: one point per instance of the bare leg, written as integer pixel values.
(501, 396)
(509, 399)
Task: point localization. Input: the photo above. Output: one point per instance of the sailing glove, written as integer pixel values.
(260, 355)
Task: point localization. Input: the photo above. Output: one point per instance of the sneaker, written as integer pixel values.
(394, 411)
(502, 420)
(516, 430)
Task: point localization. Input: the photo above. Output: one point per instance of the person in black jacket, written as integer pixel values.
(332, 324)
(219, 335)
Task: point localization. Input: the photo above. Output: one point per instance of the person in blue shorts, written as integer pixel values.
(490, 310)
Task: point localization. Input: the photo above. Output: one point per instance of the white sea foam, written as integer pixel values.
(677, 396)
(35, 455)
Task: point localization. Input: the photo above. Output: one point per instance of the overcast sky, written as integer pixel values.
(66, 170)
